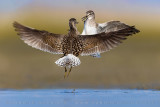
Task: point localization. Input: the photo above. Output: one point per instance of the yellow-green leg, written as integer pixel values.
(69, 71)
(65, 74)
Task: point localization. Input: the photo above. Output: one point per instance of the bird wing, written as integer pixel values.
(40, 39)
(105, 41)
(111, 26)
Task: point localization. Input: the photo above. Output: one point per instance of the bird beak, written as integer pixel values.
(77, 22)
(84, 18)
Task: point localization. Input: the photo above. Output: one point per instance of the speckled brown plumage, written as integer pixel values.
(72, 45)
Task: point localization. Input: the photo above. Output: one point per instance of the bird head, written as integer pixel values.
(73, 22)
(89, 15)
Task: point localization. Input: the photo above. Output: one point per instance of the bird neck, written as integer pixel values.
(73, 30)
(91, 22)
(91, 18)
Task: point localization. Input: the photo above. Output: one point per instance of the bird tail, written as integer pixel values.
(68, 61)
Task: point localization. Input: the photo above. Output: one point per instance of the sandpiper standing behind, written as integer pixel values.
(91, 27)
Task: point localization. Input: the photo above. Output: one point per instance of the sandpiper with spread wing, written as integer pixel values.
(91, 27)
(73, 44)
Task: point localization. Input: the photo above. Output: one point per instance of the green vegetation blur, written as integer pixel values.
(133, 64)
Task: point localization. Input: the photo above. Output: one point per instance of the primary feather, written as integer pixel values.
(40, 39)
(104, 42)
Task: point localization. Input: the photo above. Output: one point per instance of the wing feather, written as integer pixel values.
(105, 41)
(111, 26)
(40, 39)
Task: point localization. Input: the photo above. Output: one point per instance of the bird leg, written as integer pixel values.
(65, 74)
(69, 71)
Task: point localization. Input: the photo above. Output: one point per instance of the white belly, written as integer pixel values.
(88, 30)
(91, 30)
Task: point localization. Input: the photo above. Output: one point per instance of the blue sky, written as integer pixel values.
(11, 5)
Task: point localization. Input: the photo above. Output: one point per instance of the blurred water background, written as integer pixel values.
(133, 64)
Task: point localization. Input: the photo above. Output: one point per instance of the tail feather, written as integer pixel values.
(68, 61)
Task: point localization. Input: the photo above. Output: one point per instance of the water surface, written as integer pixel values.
(79, 97)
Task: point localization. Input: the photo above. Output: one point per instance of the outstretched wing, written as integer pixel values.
(103, 42)
(40, 39)
(111, 26)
